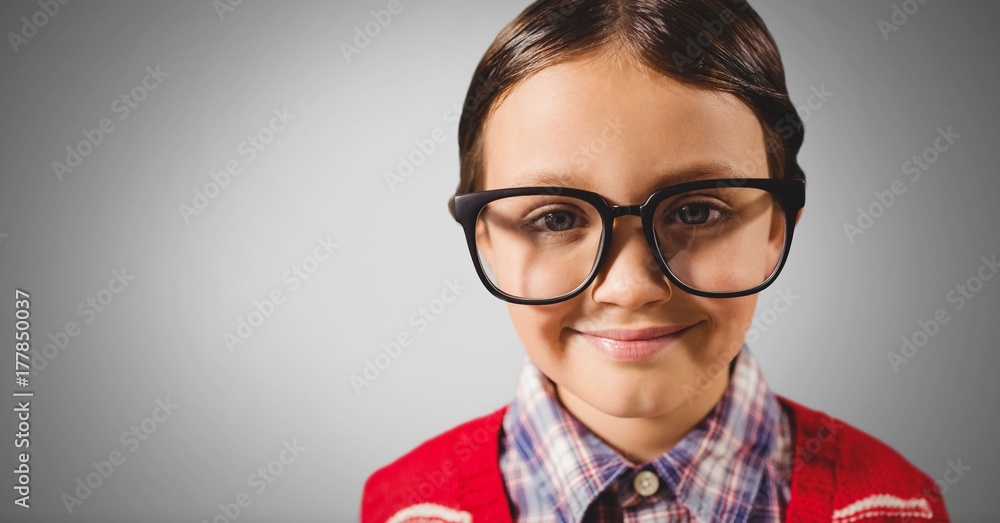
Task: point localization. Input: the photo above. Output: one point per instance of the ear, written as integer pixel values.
(798, 215)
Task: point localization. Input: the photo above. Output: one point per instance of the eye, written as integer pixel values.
(557, 221)
(696, 214)
(699, 212)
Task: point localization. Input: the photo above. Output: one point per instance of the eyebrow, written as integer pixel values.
(701, 171)
(554, 179)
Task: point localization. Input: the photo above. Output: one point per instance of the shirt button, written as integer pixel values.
(646, 483)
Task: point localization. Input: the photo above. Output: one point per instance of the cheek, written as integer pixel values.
(729, 319)
(540, 329)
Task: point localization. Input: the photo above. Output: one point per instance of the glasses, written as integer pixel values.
(718, 238)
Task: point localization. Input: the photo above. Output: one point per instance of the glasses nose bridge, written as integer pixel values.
(625, 210)
(649, 259)
(618, 211)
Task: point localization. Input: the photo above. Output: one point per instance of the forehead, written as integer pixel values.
(621, 131)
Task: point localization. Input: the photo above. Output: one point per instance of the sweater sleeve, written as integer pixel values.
(441, 480)
(876, 480)
(844, 475)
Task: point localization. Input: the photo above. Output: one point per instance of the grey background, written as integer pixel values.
(323, 176)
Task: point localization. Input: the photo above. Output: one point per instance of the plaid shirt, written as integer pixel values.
(735, 465)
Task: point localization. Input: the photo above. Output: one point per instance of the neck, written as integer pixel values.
(643, 439)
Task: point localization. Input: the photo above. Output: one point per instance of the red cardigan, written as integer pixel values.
(840, 474)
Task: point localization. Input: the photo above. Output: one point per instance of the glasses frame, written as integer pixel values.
(790, 193)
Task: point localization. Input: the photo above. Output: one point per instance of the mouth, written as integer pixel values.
(623, 344)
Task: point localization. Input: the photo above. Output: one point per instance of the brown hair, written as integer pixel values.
(720, 45)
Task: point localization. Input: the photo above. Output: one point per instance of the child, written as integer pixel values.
(629, 182)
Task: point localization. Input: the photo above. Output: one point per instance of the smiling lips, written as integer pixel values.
(634, 344)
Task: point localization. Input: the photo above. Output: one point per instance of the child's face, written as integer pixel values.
(624, 134)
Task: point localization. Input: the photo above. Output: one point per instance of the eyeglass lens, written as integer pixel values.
(725, 239)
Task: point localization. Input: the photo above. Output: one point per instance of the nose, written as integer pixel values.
(630, 277)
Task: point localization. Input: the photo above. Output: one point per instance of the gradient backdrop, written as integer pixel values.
(220, 250)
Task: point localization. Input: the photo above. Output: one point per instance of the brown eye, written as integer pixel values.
(559, 221)
(696, 214)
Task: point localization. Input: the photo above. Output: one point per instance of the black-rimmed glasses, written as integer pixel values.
(719, 238)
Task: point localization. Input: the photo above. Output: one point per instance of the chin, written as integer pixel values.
(628, 394)
(635, 407)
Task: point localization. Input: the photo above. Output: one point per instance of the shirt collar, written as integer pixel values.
(715, 470)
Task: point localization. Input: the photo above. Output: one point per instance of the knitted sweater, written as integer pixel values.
(839, 474)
